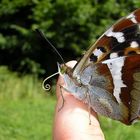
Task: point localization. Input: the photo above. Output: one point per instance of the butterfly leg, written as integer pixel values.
(89, 106)
(89, 102)
(63, 100)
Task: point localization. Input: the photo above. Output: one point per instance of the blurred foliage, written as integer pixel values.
(14, 86)
(70, 25)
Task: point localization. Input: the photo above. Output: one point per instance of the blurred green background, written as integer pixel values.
(26, 111)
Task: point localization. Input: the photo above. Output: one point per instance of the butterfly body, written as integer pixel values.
(107, 77)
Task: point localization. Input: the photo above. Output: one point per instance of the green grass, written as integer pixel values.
(26, 119)
(114, 130)
(26, 112)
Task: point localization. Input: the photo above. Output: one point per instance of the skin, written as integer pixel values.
(72, 121)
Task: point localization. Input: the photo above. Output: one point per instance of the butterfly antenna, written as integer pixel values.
(46, 86)
(47, 41)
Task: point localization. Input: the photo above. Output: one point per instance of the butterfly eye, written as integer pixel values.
(63, 68)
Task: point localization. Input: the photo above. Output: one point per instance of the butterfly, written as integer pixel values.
(107, 77)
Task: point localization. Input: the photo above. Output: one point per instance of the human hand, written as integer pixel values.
(72, 121)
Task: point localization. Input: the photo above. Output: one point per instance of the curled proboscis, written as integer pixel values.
(47, 86)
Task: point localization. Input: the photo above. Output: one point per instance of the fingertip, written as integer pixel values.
(71, 63)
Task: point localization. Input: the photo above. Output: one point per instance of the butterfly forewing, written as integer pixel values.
(118, 39)
(131, 19)
(124, 34)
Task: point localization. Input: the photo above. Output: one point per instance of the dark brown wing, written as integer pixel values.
(130, 95)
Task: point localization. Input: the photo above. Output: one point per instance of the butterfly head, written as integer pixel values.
(63, 68)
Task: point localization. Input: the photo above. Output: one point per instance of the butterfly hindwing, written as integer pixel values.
(115, 87)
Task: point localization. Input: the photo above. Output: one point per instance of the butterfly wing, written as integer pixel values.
(116, 55)
(121, 39)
